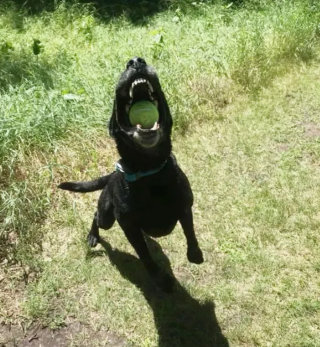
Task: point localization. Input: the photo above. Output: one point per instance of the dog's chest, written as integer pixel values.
(150, 199)
(161, 193)
(154, 196)
(158, 206)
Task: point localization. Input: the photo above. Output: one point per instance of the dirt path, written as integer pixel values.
(74, 334)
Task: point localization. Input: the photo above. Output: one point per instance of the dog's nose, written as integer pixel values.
(136, 63)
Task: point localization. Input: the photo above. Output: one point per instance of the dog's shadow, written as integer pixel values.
(180, 319)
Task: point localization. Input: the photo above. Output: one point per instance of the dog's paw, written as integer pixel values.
(195, 255)
(165, 282)
(92, 240)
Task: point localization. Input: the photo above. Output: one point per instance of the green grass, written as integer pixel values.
(244, 92)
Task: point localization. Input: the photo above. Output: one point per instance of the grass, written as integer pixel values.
(244, 95)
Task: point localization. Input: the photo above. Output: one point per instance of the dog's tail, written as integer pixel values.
(86, 187)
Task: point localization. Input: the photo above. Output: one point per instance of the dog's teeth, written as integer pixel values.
(150, 86)
(138, 81)
(150, 95)
(155, 103)
(155, 126)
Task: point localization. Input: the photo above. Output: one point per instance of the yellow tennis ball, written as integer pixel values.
(144, 113)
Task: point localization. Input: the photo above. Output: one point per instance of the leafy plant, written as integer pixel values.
(37, 47)
(157, 46)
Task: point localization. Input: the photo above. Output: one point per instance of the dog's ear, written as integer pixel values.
(113, 122)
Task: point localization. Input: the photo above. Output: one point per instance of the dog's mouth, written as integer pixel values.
(149, 122)
(141, 89)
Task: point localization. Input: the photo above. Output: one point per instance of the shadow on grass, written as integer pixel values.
(180, 319)
(134, 10)
(20, 67)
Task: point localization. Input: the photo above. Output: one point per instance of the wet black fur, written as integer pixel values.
(152, 204)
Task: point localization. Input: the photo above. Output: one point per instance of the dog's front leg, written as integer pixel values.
(194, 253)
(136, 238)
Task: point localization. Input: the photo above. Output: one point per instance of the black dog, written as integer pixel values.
(148, 193)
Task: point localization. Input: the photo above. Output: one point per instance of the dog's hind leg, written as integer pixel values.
(135, 237)
(194, 253)
(103, 221)
(93, 235)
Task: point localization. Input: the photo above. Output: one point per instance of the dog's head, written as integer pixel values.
(139, 82)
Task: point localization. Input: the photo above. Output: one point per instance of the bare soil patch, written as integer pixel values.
(73, 334)
(311, 129)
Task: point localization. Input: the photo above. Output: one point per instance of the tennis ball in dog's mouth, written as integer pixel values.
(144, 113)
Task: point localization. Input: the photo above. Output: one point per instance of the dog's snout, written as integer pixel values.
(136, 63)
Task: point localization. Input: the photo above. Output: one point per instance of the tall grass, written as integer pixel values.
(206, 54)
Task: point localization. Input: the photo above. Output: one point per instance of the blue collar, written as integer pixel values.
(134, 176)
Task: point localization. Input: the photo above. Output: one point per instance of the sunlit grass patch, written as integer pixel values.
(256, 218)
(247, 138)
